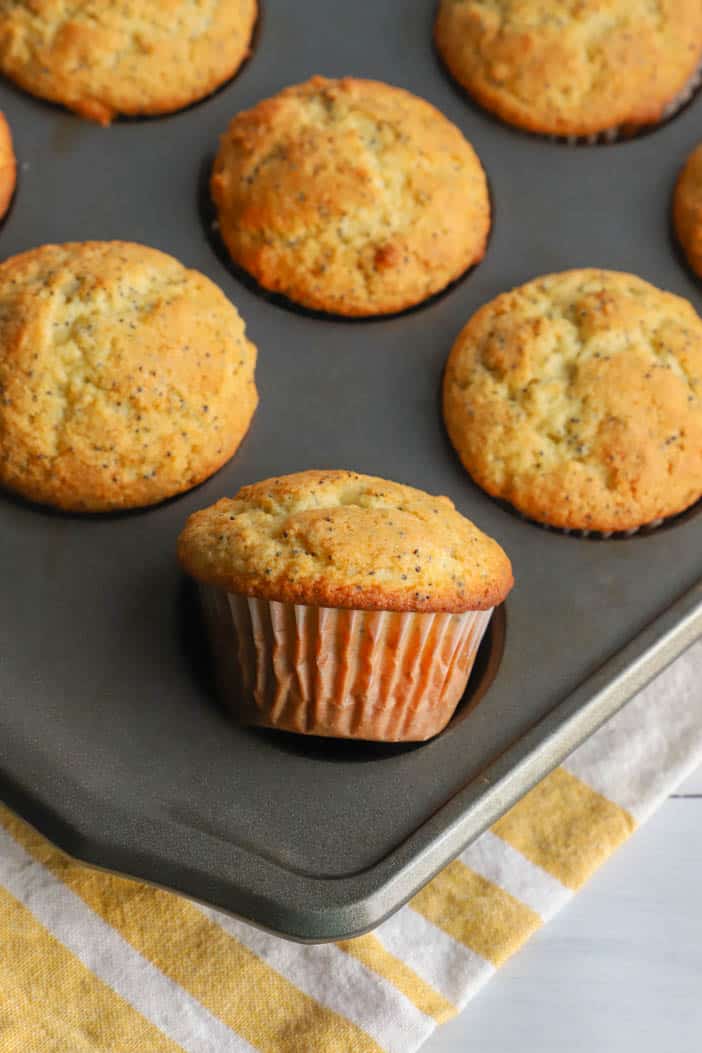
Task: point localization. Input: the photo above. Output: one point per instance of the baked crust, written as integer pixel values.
(687, 210)
(8, 166)
(574, 69)
(350, 196)
(578, 398)
(339, 539)
(124, 377)
(104, 59)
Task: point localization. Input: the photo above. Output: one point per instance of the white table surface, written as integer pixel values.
(619, 969)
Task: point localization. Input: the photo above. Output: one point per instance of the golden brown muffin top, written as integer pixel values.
(339, 539)
(124, 377)
(103, 58)
(8, 166)
(350, 196)
(687, 209)
(577, 67)
(578, 398)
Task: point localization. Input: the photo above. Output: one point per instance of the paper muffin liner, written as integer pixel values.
(624, 132)
(600, 535)
(587, 532)
(375, 675)
(603, 535)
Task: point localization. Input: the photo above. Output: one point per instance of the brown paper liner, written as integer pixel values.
(376, 675)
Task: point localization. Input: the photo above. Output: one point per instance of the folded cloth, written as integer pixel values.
(89, 961)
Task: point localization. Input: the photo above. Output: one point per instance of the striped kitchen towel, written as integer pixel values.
(93, 962)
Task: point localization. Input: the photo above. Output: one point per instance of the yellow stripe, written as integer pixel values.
(369, 950)
(50, 1001)
(477, 913)
(565, 827)
(227, 978)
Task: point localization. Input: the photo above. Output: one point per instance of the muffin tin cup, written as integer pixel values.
(339, 673)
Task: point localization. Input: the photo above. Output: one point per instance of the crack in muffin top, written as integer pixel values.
(578, 398)
(340, 539)
(350, 196)
(124, 377)
(125, 57)
(576, 68)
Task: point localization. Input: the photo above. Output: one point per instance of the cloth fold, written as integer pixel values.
(92, 962)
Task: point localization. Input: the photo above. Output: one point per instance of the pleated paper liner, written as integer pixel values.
(644, 530)
(622, 133)
(603, 535)
(651, 527)
(372, 675)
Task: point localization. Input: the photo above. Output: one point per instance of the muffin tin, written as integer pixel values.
(111, 741)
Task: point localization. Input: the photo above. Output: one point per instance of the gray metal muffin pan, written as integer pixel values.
(111, 743)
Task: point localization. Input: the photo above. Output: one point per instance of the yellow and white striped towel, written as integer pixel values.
(93, 962)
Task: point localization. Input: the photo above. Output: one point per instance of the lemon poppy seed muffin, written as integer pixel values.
(350, 196)
(8, 166)
(687, 210)
(124, 377)
(573, 68)
(341, 604)
(578, 398)
(341, 539)
(129, 57)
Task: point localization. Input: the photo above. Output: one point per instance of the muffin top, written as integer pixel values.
(124, 377)
(687, 209)
(8, 166)
(577, 67)
(125, 57)
(350, 196)
(578, 398)
(339, 539)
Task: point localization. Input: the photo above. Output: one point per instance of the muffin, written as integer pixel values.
(8, 166)
(343, 605)
(578, 398)
(687, 210)
(124, 377)
(350, 196)
(587, 69)
(104, 59)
